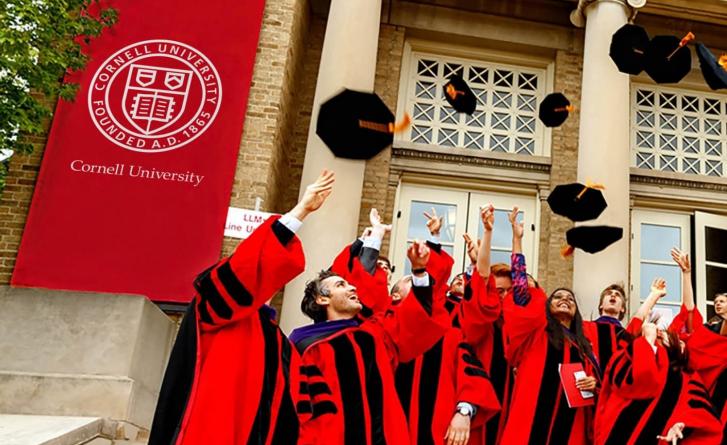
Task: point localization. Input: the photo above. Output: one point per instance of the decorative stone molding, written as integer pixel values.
(458, 158)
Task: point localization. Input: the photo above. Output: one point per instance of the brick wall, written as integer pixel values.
(14, 204)
(376, 191)
(553, 270)
(269, 122)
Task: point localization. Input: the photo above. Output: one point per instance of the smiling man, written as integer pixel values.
(356, 356)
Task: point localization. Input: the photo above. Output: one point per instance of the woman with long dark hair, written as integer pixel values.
(650, 395)
(544, 333)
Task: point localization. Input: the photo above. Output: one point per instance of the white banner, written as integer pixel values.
(242, 222)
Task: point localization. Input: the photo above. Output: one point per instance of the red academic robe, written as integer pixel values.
(358, 363)
(605, 338)
(229, 377)
(642, 397)
(430, 386)
(538, 411)
(707, 356)
(481, 321)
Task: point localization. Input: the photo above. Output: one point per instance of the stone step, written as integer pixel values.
(22, 429)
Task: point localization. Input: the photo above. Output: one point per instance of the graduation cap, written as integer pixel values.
(459, 95)
(667, 59)
(554, 109)
(628, 46)
(714, 71)
(357, 125)
(591, 239)
(578, 202)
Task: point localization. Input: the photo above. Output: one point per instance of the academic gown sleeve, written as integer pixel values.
(473, 384)
(635, 371)
(261, 265)
(370, 282)
(480, 306)
(417, 323)
(524, 312)
(439, 268)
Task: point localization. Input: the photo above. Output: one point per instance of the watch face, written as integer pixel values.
(464, 411)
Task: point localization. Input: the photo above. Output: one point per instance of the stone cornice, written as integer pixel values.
(455, 156)
(677, 180)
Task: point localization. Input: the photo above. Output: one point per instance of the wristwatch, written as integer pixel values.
(465, 409)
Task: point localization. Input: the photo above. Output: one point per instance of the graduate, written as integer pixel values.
(445, 392)
(482, 324)
(605, 332)
(230, 375)
(356, 356)
(650, 395)
(707, 349)
(543, 333)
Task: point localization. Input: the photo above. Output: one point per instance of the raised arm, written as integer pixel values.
(263, 263)
(682, 259)
(658, 291)
(420, 320)
(517, 267)
(487, 215)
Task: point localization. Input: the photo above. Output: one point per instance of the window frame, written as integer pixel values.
(438, 50)
(660, 218)
(679, 135)
(470, 199)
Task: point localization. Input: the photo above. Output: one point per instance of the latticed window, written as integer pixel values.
(678, 131)
(505, 119)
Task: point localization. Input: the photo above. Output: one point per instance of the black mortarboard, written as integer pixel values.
(577, 202)
(356, 125)
(554, 109)
(668, 59)
(713, 70)
(628, 46)
(592, 239)
(459, 95)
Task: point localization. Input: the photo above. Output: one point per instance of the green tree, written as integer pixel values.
(41, 41)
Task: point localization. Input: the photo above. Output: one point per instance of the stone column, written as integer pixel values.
(348, 60)
(604, 150)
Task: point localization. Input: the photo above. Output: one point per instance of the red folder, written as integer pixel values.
(569, 373)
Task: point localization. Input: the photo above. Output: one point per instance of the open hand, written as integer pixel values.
(378, 229)
(434, 222)
(682, 259)
(658, 288)
(458, 432)
(315, 195)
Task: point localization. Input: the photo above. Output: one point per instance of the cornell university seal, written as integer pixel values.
(154, 96)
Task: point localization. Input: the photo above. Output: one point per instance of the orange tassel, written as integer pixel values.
(453, 92)
(567, 251)
(723, 61)
(590, 185)
(568, 108)
(386, 128)
(686, 39)
(682, 43)
(401, 126)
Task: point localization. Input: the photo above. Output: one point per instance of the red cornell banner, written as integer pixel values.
(135, 182)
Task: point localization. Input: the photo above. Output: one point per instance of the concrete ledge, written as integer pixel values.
(65, 394)
(47, 430)
(82, 354)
